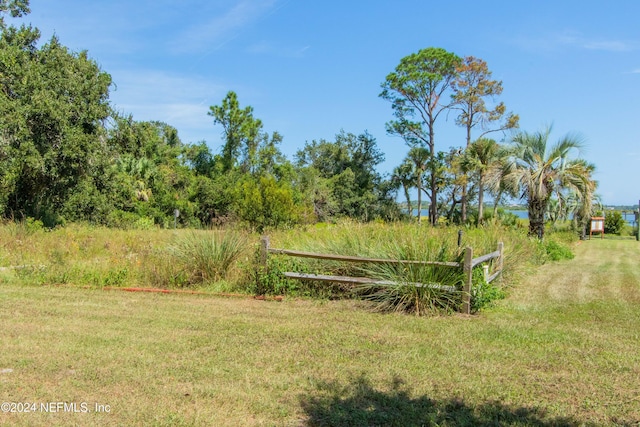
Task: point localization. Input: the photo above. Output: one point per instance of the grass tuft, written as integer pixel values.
(207, 256)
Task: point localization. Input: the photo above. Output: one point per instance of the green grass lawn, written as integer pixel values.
(563, 349)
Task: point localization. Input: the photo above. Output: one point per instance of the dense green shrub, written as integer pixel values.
(614, 223)
(270, 280)
(557, 251)
(265, 202)
(484, 294)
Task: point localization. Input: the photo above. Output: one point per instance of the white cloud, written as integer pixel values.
(221, 29)
(572, 39)
(182, 102)
(610, 45)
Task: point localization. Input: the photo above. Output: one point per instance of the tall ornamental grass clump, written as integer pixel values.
(207, 256)
(412, 288)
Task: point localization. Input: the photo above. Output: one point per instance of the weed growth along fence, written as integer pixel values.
(467, 266)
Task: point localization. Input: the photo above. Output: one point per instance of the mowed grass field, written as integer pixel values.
(562, 349)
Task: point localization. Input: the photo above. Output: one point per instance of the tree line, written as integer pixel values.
(67, 155)
(547, 175)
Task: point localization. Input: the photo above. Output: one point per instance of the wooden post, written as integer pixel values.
(264, 251)
(501, 257)
(468, 278)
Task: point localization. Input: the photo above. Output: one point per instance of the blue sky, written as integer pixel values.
(312, 68)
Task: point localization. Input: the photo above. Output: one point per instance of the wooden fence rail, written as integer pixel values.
(467, 267)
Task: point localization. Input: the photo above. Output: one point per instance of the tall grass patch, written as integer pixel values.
(207, 256)
(83, 255)
(228, 260)
(412, 288)
(402, 241)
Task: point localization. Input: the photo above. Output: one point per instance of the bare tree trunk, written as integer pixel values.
(463, 206)
(406, 195)
(495, 206)
(464, 185)
(480, 201)
(419, 185)
(433, 205)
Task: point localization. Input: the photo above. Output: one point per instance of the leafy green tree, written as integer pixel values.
(452, 181)
(327, 157)
(251, 166)
(270, 161)
(241, 132)
(365, 156)
(264, 202)
(52, 106)
(199, 158)
(346, 168)
(214, 197)
(540, 170)
(156, 141)
(15, 8)
(316, 192)
(416, 90)
(472, 87)
(154, 170)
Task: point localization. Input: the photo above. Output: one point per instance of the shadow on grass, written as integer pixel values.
(359, 404)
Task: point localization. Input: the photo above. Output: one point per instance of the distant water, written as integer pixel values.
(523, 214)
(518, 213)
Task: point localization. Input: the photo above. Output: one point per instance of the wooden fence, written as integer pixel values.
(467, 267)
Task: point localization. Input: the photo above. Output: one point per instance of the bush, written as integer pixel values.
(614, 223)
(265, 202)
(556, 251)
(508, 219)
(33, 225)
(484, 294)
(271, 280)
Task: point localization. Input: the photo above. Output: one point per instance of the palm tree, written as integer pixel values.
(542, 170)
(482, 157)
(584, 205)
(418, 158)
(403, 177)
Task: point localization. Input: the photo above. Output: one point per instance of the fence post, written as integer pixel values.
(468, 277)
(501, 257)
(264, 251)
